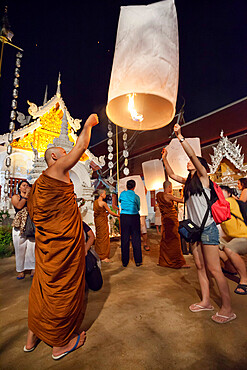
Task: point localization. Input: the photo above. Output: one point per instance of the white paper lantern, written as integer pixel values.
(145, 67)
(154, 174)
(178, 159)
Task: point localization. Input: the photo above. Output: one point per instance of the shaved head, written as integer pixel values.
(166, 184)
(52, 154)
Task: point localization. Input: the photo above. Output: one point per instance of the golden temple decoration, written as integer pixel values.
(52, 120)
(44, 135)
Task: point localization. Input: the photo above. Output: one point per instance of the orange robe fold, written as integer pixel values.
(102, 242)
(56, 296)
(170, 245)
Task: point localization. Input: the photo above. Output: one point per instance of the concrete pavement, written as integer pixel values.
(138, 320)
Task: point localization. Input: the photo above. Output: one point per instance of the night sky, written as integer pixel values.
(77, 38)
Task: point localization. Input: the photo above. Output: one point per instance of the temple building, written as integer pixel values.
(48, 125)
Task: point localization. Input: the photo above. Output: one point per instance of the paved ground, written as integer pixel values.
(138, 320)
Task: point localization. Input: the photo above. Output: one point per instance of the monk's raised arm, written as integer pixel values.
(68, 161)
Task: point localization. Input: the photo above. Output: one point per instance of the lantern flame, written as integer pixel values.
(131, 107)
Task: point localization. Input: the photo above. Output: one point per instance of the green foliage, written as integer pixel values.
(6, 244)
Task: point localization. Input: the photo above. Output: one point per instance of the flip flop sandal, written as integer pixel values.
(241, 286)
(67, 352)
(226, 318)
(33, 348)
(200, 308)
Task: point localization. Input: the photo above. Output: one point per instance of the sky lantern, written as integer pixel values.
(144, 80)
(178, 159)
(154, 174)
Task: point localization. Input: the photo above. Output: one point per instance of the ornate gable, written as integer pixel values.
(48, 130)
(231, 151)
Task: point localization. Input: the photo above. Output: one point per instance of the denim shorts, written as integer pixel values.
(210, 235)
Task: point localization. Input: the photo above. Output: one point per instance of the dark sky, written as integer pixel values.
(77, 38)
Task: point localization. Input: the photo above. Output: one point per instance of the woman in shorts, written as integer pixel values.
(205, 252)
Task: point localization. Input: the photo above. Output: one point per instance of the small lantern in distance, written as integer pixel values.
(154, 174)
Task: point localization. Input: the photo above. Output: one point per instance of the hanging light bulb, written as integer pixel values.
(10, 137)
(16, 82)
(15, 93)
(14, 104)
(11, 126)
(6, 188)
(13, 115)
(9, 149)
(17, 72)
(18, 63)
(8, 161)
(7, 174)
(19, 55)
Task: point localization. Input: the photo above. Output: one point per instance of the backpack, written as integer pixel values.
(93, 274)
(220, 208)
(243, 209)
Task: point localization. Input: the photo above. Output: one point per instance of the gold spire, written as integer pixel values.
(58, 86)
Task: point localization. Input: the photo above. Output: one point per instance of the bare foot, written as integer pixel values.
(32, 341)
(59, 352)
(32, 273)
(106, 260)
(185, 266)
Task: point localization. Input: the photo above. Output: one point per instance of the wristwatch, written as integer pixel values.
(181, 140)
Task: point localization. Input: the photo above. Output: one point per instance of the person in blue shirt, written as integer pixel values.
(130, 224)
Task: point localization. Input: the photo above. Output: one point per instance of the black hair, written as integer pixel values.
(21, 182)
(226, 188)
(243, 182)
(193, 184)
(131, 184)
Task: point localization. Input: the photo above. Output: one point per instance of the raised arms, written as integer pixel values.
(65, 163)
(202, 173)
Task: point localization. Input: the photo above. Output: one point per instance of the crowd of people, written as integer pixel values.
(62, 241)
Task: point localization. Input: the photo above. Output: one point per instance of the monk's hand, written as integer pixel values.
(164, 153)
(177, 129)
(92, 120)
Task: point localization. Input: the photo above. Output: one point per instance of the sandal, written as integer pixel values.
(20, 276)
(221, 319)
(243, 287)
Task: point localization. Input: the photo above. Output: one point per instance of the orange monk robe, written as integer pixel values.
(57, 291)
(170, 245)
(102, 242)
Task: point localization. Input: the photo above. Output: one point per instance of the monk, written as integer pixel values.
(102, 242)
(170, 247)
(57, 292)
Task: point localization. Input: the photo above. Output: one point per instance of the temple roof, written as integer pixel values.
(46, 126)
